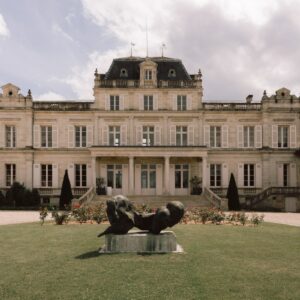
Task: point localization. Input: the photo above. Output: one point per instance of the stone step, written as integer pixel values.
(157, 201)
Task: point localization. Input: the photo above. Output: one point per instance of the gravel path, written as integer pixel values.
(16, 217)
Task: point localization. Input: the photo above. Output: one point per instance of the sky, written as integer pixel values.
(242, 47)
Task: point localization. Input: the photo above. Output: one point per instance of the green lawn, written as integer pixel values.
(221, 262)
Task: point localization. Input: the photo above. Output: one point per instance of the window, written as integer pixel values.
(248, 136)
(148, 177)
(148, 102)
(80, 136)
(114, 135)
(46, 175)
(148, 74)
(181, 102)
(114, 176)
(114, 102)
(172, 73)
(285, 174)
(181, 135)
(80, 176)
(215, 136)
(215, 175)
(182, 176)
(148, 135)
(123, 73)
(248, 174)
(283, 133)
(46, 136)
(10, 136)
(10, 174)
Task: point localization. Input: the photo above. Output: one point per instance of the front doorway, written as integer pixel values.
(148, 179)
(114, 178)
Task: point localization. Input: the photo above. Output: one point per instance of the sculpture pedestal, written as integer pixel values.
(141, 242)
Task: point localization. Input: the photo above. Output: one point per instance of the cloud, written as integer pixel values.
(51, 96)
(3, 27)
(58, 30)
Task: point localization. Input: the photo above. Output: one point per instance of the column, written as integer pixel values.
(167, 175)
(94, 172)
(131, 175)
(204, 175)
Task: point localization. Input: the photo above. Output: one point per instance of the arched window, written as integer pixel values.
(123, 73)
(172, 73)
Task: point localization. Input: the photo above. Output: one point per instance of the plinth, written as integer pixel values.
(141, 242)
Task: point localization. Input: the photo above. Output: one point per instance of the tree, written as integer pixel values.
(233, 195)
(66, 195)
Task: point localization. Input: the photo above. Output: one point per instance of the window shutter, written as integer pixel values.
(240, 136)
(258, 175)
(174, 102)
(36, 175)
(71, 136)
(240, 175)
(2, 136)
(206, 179)
(224, 175)
(107, 102)
(293, 175)
(90, 135)
(189, 102)
(89, 176)
(54, 136)
(125, 178)
(123, 135)
(71, 173)
(157, 135)
(172, 135)
(105, 135)
(224, 136)
(293, 138)
(55, 175)
(141, 102)
(137, 179)
(36, 136)
(139, 135)
(280, 175)
(258, 136)
(191, 135)
(122, 97)
(155, 102)
(159, 179)
(274, 136)
(206, 135)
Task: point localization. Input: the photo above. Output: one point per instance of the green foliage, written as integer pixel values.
(66, 195)
(99, 213)
(243, 218)
(81, 214)
(256, 219)
(43, 214)
(60, 218)
(233, 195)
(18, 196)
(217, 217)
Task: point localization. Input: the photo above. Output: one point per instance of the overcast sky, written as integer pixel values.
(241, 46)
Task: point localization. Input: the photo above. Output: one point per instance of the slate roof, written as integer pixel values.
(131, 64)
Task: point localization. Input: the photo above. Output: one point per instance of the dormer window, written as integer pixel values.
(10, 93)
(148, 74)
(172, 73)
(123, 73)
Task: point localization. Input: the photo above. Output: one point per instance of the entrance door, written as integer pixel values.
(291, 204)
(148, 179)
(181, 179)
(114, 178)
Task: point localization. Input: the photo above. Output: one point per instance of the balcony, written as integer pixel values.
(55, 192)
(61, 106)
(231, 106)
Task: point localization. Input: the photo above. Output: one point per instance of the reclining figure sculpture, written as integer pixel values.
(122, 216)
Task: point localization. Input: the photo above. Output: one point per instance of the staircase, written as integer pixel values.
(188, 201)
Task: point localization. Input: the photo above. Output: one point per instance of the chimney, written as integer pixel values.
(249, 99)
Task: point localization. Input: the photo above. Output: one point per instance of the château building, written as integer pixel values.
(148, 132)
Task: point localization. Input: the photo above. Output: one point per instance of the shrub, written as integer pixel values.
(233, 195)
(43, 214)
(66, 195)
(217, 217)
(60, 218)
(242, 217)
(99, 213)
(81, 214)
(256, 219)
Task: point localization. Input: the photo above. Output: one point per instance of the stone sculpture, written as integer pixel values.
(122, 217)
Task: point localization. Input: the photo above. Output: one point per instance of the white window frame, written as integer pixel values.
(148, 74)
(114, 135)
(283, 136)
(182, 170)
(248, 178)
(148, 136)
(114, 102)
(48, 170)
(10, 174)
(46, 136)
(116, 171)
(148, 102)
(249, 136)
(181, 102)
(286, 174)
(149, 170)
(181, 135)
(215, 136)
(215, 180)
(80, 175)
(80, 136)
(10, 136)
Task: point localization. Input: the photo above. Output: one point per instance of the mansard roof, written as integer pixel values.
(132, 66)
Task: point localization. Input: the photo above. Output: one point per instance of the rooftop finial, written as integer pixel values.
(163, 46)
(96, 72)
(29, 93)
(132, 45)
(265, 93)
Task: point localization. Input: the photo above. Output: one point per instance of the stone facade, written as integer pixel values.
(148, 132)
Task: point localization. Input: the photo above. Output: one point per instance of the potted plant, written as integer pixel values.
(100, 186)
(196, 185)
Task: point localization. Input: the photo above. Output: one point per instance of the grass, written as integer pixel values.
(221, 262)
